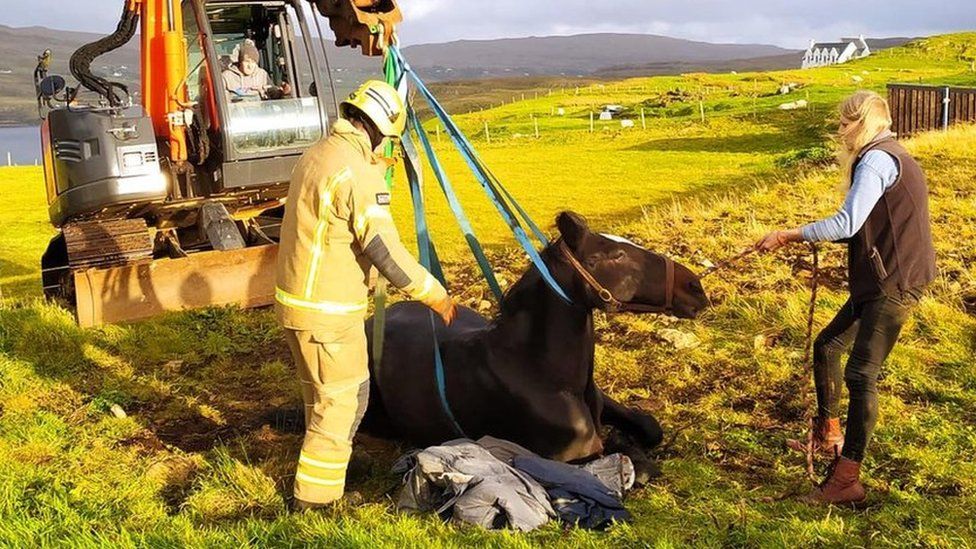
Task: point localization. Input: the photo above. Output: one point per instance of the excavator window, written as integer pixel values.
(268, 103)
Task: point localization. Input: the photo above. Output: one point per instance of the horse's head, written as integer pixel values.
(616, 273)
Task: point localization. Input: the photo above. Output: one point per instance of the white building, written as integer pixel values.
(832, 53)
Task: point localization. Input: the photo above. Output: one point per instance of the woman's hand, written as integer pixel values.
(777, 239)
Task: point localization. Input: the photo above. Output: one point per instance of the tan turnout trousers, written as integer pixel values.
(334, 378)
(337, 226)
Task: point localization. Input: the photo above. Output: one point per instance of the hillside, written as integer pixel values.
(545, 56)
(205, 453)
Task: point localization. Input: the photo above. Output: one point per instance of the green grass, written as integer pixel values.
(205, 454)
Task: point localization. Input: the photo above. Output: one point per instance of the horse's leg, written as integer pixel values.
(641, 426)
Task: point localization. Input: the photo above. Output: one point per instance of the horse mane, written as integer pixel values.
(525, 291)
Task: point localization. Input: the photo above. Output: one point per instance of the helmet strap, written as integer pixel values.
(362, 122)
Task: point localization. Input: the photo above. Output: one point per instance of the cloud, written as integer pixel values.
(789, 24)
(785, 23)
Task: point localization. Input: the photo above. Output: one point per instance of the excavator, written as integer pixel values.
(173, 201)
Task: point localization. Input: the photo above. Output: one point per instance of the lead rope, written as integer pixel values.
(808, 341)
(721, 265)
(808, 354)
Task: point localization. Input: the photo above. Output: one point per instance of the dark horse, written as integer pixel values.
(527, 376)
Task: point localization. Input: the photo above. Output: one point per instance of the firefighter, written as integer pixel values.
(337, 226)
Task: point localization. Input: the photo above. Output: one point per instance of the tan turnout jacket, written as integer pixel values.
(337, 225)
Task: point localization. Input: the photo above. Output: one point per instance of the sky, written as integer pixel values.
(787, 23)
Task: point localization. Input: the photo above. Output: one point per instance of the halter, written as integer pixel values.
(612, 304)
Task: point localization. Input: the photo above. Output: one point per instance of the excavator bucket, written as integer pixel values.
(366, 24)
(244, 277)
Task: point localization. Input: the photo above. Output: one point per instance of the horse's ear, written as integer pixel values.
(573, 228)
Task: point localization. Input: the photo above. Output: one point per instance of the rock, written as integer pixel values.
(801, 104)
(678, 339)
(765, 341)
(117, 411)
(484, 305)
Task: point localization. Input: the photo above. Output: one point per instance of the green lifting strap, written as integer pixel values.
(392, 76)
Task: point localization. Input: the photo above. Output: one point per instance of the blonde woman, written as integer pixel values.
(885, 223)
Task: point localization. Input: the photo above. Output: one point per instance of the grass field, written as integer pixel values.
(205, 453)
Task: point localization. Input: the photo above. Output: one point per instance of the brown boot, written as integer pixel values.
(842, 485)
(824, 434)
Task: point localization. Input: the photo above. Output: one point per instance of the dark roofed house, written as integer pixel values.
(820, 54)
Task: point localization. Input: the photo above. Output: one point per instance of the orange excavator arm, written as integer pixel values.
(163, 64)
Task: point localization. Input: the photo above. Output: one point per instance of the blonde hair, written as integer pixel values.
(863, 116)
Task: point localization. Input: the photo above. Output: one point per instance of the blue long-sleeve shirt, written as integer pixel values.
(875, 173)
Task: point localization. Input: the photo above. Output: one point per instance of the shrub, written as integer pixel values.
(810, 157)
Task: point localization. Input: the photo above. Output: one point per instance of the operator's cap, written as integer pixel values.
(248, 49)
(382, 104)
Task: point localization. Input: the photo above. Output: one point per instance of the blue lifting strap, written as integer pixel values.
(455, 205)
(486, 180)
(428, 258)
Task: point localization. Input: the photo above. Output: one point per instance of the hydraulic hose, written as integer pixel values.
(82, 58)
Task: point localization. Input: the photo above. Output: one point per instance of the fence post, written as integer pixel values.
(9, 160)
(945, 109)
(643, 120)
(487, 135)
(591, 121)
(536, 122)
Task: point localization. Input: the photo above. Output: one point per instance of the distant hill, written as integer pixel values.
(765, 63)
(577, 55)
(885, 43)
(589, 56)
(569, 56)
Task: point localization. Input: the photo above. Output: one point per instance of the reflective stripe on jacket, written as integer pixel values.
(337, 225)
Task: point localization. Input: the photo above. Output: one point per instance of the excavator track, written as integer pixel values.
(92, 244)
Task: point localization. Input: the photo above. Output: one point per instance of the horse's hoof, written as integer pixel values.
(645, 471)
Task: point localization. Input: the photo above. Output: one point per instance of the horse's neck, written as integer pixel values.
(553, 338)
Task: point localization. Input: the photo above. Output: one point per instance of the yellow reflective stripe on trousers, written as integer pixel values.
(303, 458)
(325, 203)
(300, 476)
(328, 307)
(370, 213)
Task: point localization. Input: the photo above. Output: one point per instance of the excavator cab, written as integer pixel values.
(249, 136)
(171, 198)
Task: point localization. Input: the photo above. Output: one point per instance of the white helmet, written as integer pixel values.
(381, 103)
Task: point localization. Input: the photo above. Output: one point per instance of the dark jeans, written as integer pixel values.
(873, 326)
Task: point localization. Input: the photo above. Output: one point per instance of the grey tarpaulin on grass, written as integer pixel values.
(463, 481)
(577, 495)
(499, 484)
